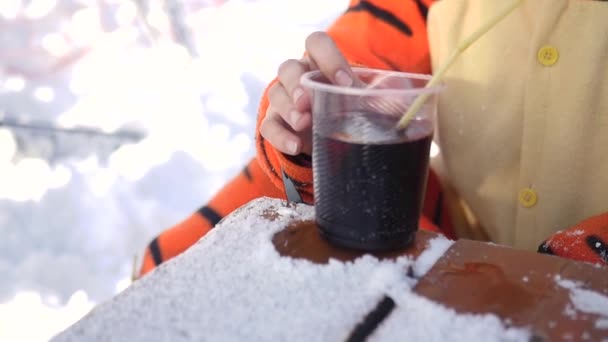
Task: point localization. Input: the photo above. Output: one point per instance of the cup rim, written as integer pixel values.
(306, 80)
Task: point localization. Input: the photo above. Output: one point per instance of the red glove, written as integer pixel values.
(586, 241)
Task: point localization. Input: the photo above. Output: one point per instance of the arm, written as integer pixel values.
(249, 184)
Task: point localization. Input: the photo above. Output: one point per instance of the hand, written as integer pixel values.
(288, 121)
(586, 241)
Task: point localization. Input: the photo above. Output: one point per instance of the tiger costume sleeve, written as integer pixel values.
(249, 184)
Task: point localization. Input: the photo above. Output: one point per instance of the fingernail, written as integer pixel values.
(292, 147)
(343, 78)
(297, 94)
(294, 117)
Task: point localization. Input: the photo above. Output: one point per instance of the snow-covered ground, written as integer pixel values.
(152, 130)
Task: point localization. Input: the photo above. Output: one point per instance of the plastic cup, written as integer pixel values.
(369, 176)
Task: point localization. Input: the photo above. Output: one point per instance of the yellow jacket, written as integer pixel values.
(523, 124)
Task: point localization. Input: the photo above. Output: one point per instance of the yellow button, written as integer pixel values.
(547, 55)
(527, 197)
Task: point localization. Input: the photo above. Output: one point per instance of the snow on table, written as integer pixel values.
(233, 286)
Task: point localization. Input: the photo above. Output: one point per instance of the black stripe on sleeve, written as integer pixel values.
(598, 246)
(422, 9)
(383, 15)
(210, 215)
(247, 173)
(155, 251)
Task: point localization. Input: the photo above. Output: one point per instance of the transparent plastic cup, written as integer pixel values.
(369, 176)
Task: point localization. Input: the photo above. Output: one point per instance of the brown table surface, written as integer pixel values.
(518, 286)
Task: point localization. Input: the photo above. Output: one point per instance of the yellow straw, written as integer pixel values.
(409, 114)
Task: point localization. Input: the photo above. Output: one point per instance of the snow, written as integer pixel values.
(587, 301)
(76, 208)
(28, 307)
(576, 232)
(427, 259)
(233, 286)
(601, 324)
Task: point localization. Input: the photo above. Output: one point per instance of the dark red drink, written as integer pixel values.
(370, 179)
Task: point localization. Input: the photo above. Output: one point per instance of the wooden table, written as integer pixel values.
(520, 287)
(240, 281)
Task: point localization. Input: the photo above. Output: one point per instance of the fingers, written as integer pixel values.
(327, 57)
(284, 127)
(282, 104)
(287, 124)
(275, 130)
(289, 75)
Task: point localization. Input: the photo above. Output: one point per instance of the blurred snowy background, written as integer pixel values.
(118, 118)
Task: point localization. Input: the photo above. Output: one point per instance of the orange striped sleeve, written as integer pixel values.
(249, 184)
(385, 34)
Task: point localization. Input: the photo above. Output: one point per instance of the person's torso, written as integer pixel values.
(523, 123)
